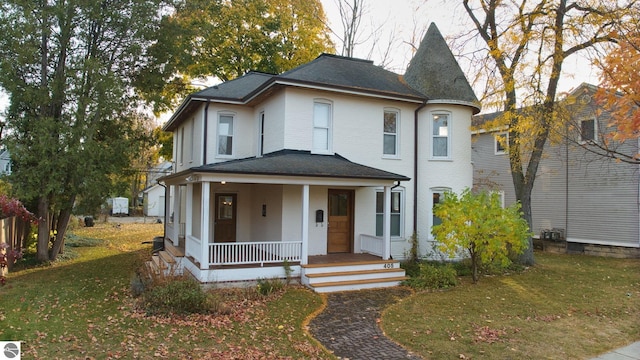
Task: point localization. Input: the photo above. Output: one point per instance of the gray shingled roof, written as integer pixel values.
(435, 72)
(350, 73)
(237, 89)
(300, 163)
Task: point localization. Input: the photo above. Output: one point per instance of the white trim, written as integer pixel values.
(433, 190)
(342, 91)
(595, 130)
(454, 102)
(329, 127)
(403, 208)
(304, 257)
(279, 179)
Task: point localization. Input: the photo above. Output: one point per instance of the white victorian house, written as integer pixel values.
(327, 169)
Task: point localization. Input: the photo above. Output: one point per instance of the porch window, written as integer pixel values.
(321, 127)
(225, 134)
(390, 133)
(396, 212)
(441, 136)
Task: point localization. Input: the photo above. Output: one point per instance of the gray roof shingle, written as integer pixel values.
(300, 163)
(434, 71)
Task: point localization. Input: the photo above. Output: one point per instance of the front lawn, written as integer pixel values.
(566, 307)
(82, 309)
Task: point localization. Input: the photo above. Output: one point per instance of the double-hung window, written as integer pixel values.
(438, 196)
(225, 135)
(390, 133)
(396, 208)
(321, 127)
(441, 133)
(261, 134)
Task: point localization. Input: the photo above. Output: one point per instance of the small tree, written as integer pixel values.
(477, 223)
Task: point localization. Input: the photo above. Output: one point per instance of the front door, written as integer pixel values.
(225, 218)
(340, 231)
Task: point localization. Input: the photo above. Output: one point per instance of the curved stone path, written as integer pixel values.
(348, 325)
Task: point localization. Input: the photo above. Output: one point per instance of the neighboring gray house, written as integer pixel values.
(588, 200)
(329, 167)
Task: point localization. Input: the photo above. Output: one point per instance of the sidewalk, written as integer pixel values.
(631, 352)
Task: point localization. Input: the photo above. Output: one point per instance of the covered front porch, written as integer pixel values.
(239, 226)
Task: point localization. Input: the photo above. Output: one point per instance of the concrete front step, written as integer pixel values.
(356, 284)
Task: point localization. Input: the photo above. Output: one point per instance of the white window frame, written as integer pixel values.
(595, 130)
(396, 134)
(232, 135)
(327, 128)
(497, 144)
(261, 134)
(448, 135)
(401, 214)
(435, 190)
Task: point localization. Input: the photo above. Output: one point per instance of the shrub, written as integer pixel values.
(181, 295)
(480, 225)
(269, 286)
(433, 276)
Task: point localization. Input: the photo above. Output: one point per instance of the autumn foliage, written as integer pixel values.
(620, 87)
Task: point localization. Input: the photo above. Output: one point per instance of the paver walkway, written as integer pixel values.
(349, 325)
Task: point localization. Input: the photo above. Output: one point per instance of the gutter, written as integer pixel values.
(415, 166)
(204, 133)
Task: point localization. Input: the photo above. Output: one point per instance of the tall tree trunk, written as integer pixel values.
(43, 229)
(61, 229)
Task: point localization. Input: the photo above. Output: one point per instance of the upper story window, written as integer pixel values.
(225, 134)
(588, 130)
(441, 134)
(501, 142)
(261, 134)
(390, 133)
(321, 127)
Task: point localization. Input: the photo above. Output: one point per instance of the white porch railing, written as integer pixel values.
(373, 245)
(245, 253)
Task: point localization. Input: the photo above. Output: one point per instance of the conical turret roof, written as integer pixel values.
(435, 72)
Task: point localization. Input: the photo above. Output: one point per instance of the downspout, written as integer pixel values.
(415, 167)
(204, 133)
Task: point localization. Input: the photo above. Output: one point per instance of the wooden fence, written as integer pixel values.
(13, 236)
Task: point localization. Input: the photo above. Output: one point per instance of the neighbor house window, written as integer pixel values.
(440, 135)
(390, 133)
(225, 134)
(396, 208)
(588, 130)
(501, 141)
(321, 127)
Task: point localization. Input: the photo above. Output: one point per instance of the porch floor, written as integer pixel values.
(342, 258)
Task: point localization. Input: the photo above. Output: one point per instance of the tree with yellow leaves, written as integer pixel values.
(526, 45)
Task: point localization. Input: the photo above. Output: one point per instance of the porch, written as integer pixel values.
(238, 263)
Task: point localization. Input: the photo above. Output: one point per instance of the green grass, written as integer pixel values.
(82, 308)
(566, 307)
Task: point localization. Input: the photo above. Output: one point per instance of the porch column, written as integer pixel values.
(386, 228)
(304, 257)
(188, 221)
(174, 212)
(204, 225)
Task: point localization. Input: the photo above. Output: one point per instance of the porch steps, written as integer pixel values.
(168, 261)
(348, 276)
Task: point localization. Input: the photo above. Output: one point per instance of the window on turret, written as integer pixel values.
(321, 127)
(441, 136)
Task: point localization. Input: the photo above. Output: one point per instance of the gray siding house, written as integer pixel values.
(581, 201)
